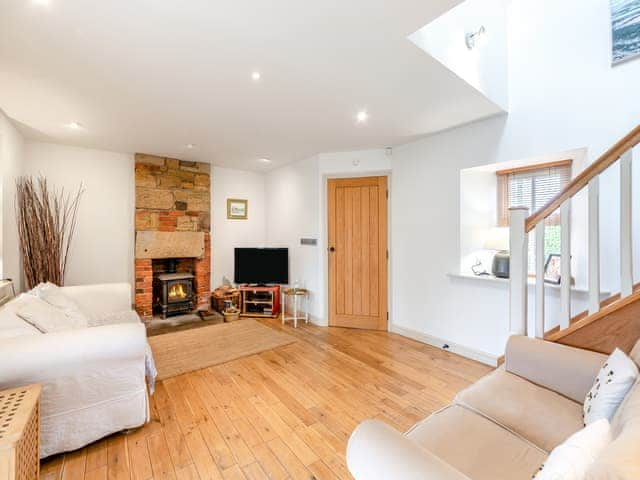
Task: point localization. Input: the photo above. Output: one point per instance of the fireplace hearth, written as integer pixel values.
(173, 293)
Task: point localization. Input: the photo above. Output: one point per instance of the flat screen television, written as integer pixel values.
(262, 265)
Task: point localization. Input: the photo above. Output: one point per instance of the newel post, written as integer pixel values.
(518, 246)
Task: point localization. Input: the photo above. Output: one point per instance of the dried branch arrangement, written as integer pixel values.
(46, 224)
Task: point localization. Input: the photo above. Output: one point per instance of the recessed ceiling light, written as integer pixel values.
(255, 76)
(265, 160)
(191, 146)
(362, 116)
(41, 2)
(74, 126)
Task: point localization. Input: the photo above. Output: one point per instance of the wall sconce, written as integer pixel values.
(471, 38)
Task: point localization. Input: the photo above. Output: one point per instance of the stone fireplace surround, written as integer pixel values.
(172, 221)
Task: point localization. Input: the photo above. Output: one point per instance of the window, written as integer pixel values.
(533, 187)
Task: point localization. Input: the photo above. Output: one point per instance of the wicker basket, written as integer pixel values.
(217, 301)
(231, 316)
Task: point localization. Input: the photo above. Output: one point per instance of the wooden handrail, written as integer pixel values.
(582, 180)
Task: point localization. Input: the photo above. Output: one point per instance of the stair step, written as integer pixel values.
(607, 307)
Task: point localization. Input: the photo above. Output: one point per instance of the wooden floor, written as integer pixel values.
(282, 414)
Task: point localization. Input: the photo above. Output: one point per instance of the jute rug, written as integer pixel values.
(181, 352)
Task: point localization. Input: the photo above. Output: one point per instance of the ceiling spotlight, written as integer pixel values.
(265, 160)
(362, 116)
(41, 2)
(74, 126)
(471, 39)
(190, 146)
(255, 76)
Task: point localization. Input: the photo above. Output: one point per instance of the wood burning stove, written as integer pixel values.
(173, 293)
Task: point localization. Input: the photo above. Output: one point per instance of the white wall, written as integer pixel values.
(11, 155)
(563, 95)
(228, 234)
(483, 67)
(103, 245)
(293, 212)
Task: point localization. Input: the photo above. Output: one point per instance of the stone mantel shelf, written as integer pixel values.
(158, 245)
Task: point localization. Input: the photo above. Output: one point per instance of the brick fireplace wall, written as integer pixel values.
(172, 196)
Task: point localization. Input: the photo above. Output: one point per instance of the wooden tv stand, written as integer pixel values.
(259, 301)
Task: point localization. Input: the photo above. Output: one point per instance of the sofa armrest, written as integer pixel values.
(378, 452)
(101, 299)
(566, 370)
(93, 381)
(78, 352)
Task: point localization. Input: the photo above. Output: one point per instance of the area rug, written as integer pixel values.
(181, 352)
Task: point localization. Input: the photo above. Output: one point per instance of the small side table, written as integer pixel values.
(299, 295)
(20, 433)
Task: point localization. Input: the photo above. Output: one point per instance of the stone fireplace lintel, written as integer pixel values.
(155, 245)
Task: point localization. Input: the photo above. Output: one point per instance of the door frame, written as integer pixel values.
(324, 238)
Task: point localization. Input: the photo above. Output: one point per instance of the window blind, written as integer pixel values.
(531, 187)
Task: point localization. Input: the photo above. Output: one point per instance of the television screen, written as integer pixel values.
(262, 265)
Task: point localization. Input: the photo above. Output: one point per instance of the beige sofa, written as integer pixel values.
(504, 426)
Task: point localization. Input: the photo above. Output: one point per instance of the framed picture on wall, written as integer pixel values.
(552, 273)
(625, 30)
(237, 209)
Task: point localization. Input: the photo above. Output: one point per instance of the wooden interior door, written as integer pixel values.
(357, 216)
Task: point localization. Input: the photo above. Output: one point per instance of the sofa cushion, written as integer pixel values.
(566, 370)
(543, 417)
(621, 459)
(476, 446)
(10, 324)
(614, 381)
(572, 459)
(124, 316)
(53, 295)
(635, 353)
(47, 318)
(629, 410)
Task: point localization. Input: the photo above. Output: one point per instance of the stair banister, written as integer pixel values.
(520, 226)
(626, 241)
(540, 260)
(518, 243)
(581, 180)
(594, 245)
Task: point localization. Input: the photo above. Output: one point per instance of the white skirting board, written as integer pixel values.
(482, 357)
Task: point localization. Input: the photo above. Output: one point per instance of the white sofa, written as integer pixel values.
(93, 379)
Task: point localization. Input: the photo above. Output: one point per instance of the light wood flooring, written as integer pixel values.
(281, 414)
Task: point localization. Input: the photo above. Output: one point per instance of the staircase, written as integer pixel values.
(614, 322)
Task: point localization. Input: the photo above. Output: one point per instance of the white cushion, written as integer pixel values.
(53, 295)
(46, 317)
(10, 324)
(615, 379)
(571, 459)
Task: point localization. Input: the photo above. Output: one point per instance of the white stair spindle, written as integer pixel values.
(594, 245)
(565, 264)
(539, 330)
(518, 271)
(626, 254)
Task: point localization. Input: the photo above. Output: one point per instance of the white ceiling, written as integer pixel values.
(151, 76)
